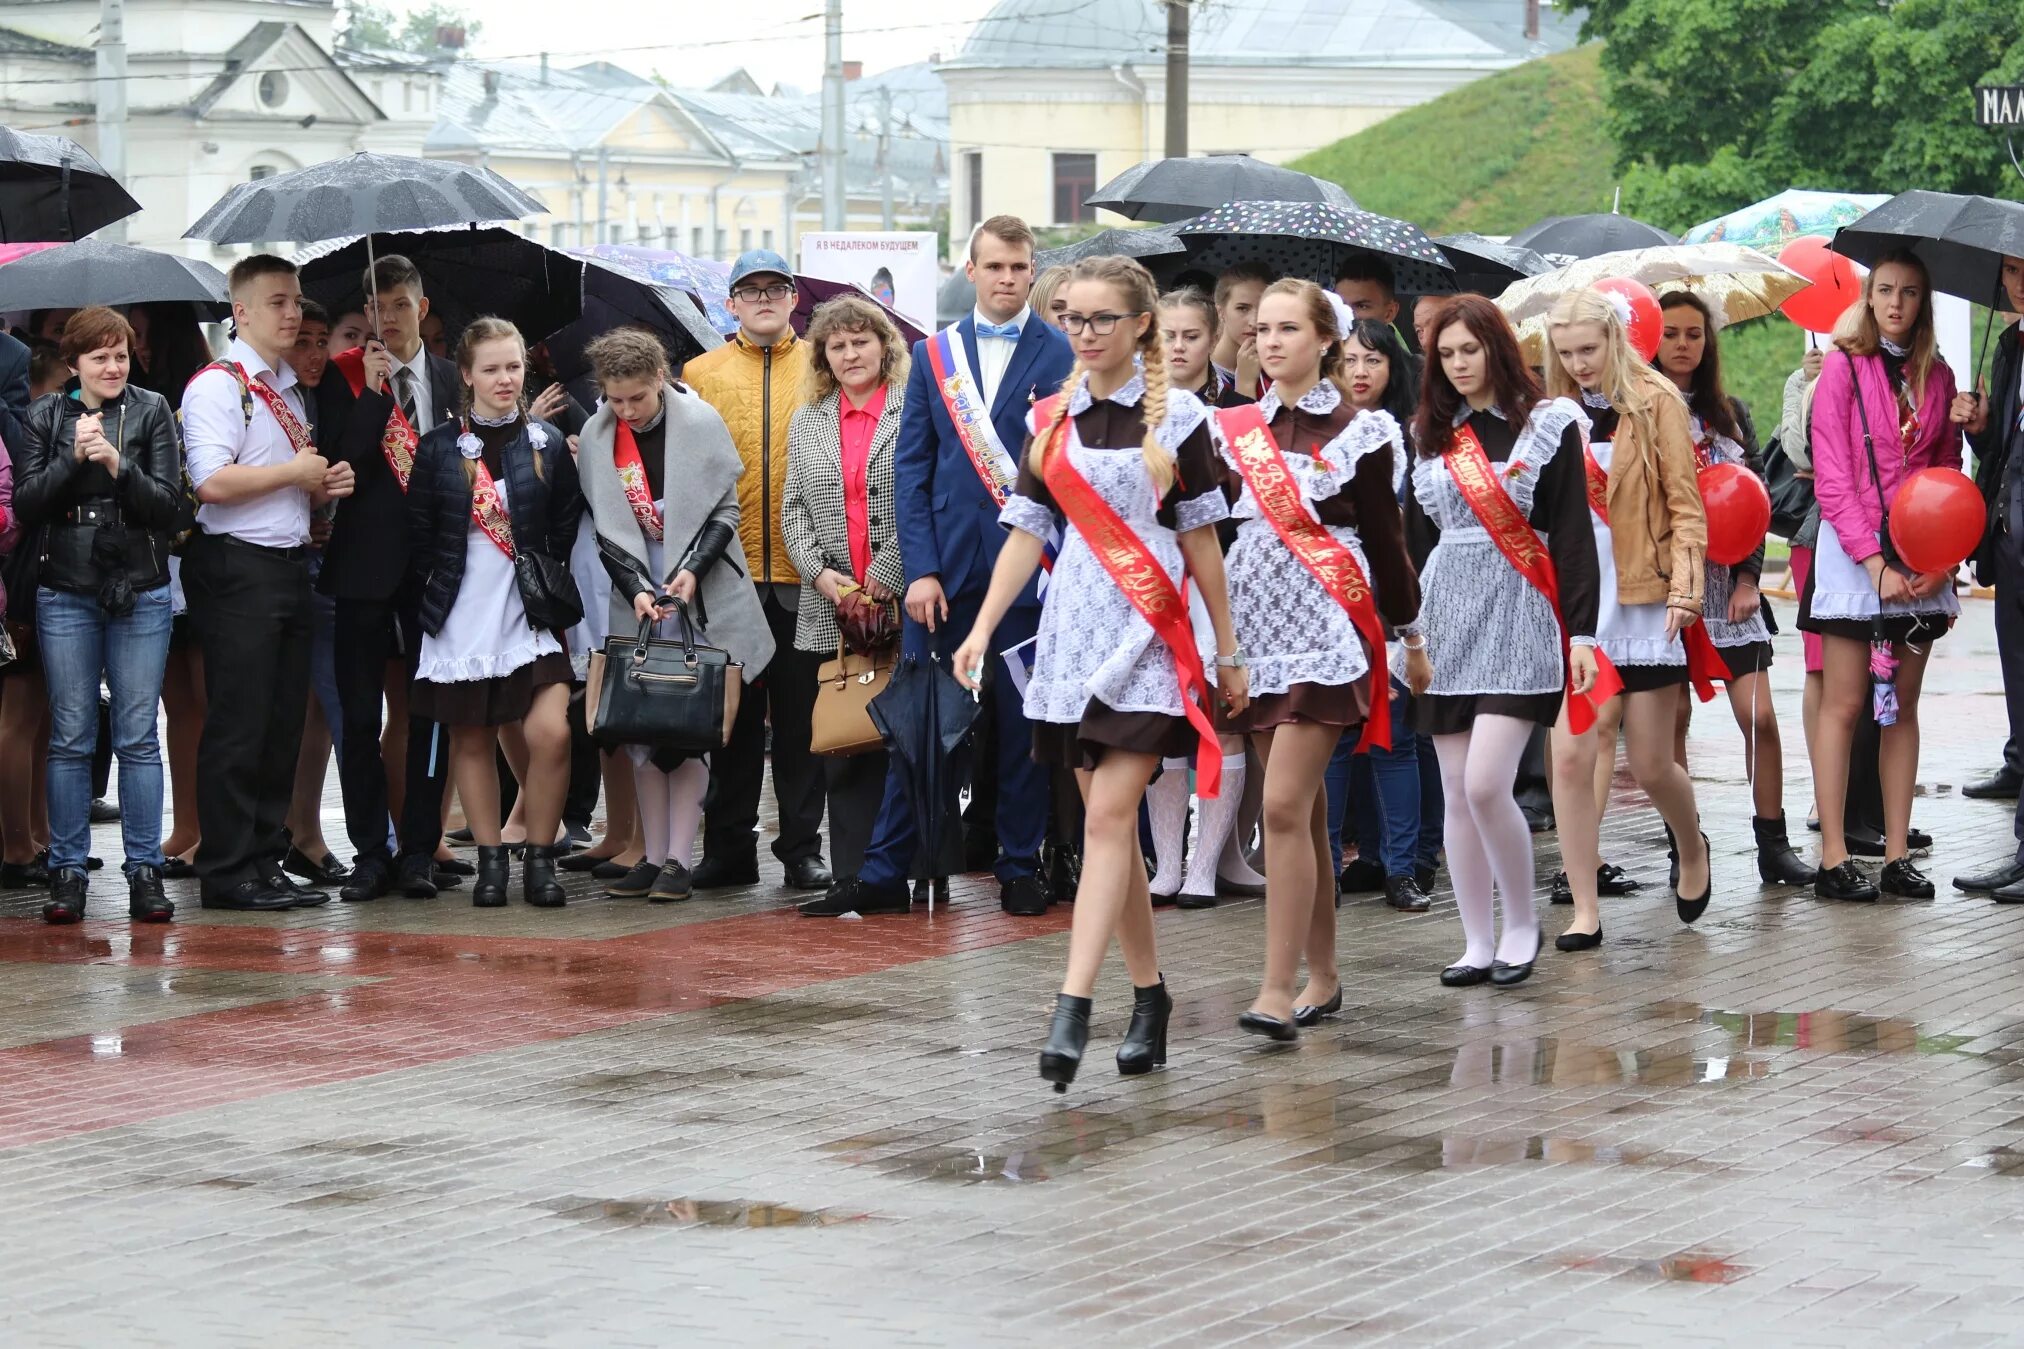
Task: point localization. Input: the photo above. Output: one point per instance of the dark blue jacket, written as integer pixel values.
(948, 523)
(13, 392)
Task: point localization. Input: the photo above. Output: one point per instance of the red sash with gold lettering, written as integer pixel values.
(632, 475)
(486, 507)
(1136, 572)
(1273, 486)
(1476, 478)
(1705, 665)
(250, 388)
(398, 440)
(1598, 484)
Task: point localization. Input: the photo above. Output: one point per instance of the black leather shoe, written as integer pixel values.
(2012, 893)
(1845, 882)
(456, 866)
(23, 875)
(1067, 1037)
(488, 889)
(462, 837)
(145, 901)
(1988, 882)
(808, 873)
(1361, 876)
(851, 895)
(367, 882)
(722, 873)
(537, 879)
(1690, 910)
(1579, 941)
(1024, 897)
(1185, 900)
(300, 896)
(1562, 892)
(1404, 894)
(579, 861)
(637, 881)
(1310, 1014)
(1271, 1027)
(247, 897)
(66, 898)
(1862, 842)
(1777, 862)
(1145, 1039)
(1611, 879)
(2003, 785)
(610, 871)
(672, 885)
(1509, 974)
(1904, 881)
(1425, 874)
(105, 812)
(1918, 840)
(329, 871)
(173, 869)
(1062, 865)
(420, 877)
(1464, 976)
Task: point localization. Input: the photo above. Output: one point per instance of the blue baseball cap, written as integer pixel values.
(755, 261)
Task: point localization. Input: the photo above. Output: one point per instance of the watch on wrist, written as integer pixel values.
(1233, 661)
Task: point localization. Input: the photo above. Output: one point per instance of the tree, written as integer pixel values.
(417, 32)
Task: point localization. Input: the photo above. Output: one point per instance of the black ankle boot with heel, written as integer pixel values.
(488, 889)
(1066, 1039)
(537, 879)
(1145, 1040)
(1777, 862)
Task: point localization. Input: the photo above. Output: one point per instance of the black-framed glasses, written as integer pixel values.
(780, 290)
(1103, 325)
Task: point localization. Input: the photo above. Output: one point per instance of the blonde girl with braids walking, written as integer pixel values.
(1118, 678)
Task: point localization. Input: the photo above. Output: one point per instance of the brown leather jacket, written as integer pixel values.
(1657, 527)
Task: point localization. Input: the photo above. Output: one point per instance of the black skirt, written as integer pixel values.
(1916, 628)
(1651, 678)
(1750, 658)
(1081, 744)
(1455, 713)
(498, 701)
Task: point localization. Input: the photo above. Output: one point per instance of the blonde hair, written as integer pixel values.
(1044, 288)
(1135, 283)
(1856, 332)
(852, 314)
(1320, 313)
(480, 331)
(1632, 387)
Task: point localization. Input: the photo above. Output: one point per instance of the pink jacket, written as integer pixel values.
(1841, 477)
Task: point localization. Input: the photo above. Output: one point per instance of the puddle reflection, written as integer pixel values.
(1548, 1061)
(1827, 1030)
(699, 1213)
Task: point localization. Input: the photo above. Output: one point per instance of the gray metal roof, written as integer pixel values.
(560, 111)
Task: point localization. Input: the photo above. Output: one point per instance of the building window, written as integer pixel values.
(1074, 185)
(718, 251)
(260, 171)
(973, 183)
(766, 240)
(745, 239)
(696, 240)
(273, 89)
(555, 235)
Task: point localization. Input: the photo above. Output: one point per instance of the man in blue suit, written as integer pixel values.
(965, 421)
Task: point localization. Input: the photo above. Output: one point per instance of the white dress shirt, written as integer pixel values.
(216, 434)
(419, 369)
(995, 353)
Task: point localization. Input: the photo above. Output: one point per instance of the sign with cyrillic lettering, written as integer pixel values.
(1999, 104)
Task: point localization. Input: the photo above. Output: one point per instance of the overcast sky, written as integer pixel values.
(695, 42)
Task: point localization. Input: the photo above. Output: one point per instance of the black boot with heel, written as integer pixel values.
(1145, 1040)
(1777, 862)
(488, 890)
(1066, 1039)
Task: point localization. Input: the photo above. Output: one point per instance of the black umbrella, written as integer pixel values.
(361, 194)
(1486, 266)
(1962, 240)
(465, 273)
(1309, 239)
(925, 717)
(614, 298)
(50, 189)
(91, 271)
(955, 297)
(1583, 236)
(1150, 242)
(1171, 190)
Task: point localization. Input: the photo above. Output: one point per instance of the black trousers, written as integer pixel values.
(2009, 551)
(856, 786)
(252, 611)
(785, 695)
(585, 767)
(368, 634)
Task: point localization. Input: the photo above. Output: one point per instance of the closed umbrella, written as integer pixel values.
(1308, 239)
(1169, 190)
(925, 717)
(1149, 242)
(90, 271)
(1584, 236)
(51, 189)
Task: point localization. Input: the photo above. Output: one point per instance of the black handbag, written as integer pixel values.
(547, 591)
(675, 695)
(1791, 495)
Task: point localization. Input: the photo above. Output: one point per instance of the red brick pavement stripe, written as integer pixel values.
(429, 999)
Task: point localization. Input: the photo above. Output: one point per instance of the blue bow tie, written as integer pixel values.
(1009, 330)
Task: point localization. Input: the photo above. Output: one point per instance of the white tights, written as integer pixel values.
(1486, 835)
(671, 807)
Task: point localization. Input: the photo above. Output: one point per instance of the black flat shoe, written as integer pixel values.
(1690, 910)
(367, 882)
(851, 895)
(302, 896)
(23, 875)
(1844, 882)
(1185, 900)
(420, 877)
(1904, 881)
(1404, 894)
(1509, 974)
(1271, 1027)
(173, 869)
(1918, 840)
(671, 886)
(1562, 892)
(1863, 842)
(1067, 1037)
(1309, 1014)
(461, 836)
(2003, 786)
(1145, 1039)
(807, 873)
(328, 871)
(609, 871)
(1988, 882)
(1611, 879)
(1464, 976)
(456, 866)
(636, 882)
(579, 861)
(1578, 941)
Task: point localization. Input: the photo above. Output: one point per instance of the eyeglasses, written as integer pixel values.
(1103, 325)
(756, 294)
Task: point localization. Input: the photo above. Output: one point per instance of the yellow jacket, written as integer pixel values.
(756, 390)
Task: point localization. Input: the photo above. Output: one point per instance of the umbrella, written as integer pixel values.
(1584, 236)
(615, 297)
(708, 282)
(810, 291)
(1169, 190)
(1487, 266)
(1771, 224)
(956, 297)
(466, 272)
(1151, 241)
(1310, 239)
(925, 717)
(1962, 240)
(1747, 284)
(51, 189)
(361, 194)
(90, 271)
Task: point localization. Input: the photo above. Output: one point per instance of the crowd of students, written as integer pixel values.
(1232, 552)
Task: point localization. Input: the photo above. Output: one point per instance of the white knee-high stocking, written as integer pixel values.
(1167, 806)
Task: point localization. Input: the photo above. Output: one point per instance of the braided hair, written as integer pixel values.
(1135, 284)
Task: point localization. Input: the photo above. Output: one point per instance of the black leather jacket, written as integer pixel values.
(545, 510)
(64, 502)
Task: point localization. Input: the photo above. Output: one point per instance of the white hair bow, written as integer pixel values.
(1345, 317)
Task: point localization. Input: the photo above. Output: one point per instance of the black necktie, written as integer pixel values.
(404, 381)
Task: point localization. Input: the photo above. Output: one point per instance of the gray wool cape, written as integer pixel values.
(701, 485)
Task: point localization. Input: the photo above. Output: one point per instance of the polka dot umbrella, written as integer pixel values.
(1308, 239)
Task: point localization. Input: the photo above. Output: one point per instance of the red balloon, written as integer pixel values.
(1738, 510)
(1646, 321)
(1835, 287)
(1936, 519)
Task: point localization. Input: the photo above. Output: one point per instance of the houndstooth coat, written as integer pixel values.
(812, 517)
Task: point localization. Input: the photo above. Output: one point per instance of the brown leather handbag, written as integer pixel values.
(843, 694)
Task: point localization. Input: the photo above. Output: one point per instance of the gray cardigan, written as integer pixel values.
(813, 518)
(701, 486)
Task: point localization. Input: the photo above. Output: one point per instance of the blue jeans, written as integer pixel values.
(81, 645)
(1396, 794)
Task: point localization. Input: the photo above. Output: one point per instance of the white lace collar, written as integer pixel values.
(1892, 347)
(1320, 400)
(1464, 412)
(1591, 398)
(1126, 395)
